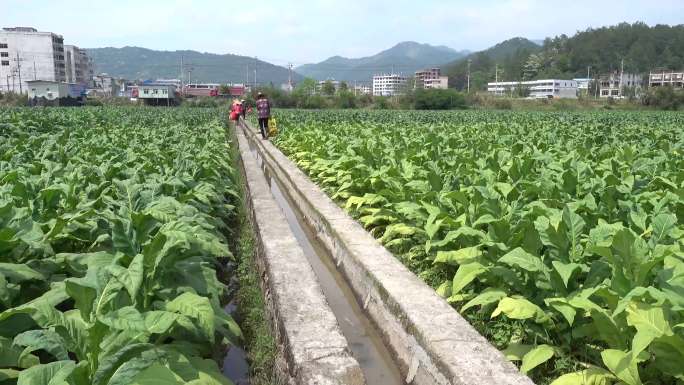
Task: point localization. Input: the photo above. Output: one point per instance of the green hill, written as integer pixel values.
(642, 47)
(406, 58)
(142, 63)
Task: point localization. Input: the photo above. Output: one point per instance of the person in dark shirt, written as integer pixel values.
(264, 111)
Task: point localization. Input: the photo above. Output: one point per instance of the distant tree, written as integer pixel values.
(328, 88)
(306, 87)
(344, 86)
(346, 99)
(437, 99)
(224, 89)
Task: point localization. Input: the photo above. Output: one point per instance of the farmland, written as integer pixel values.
(113, 231)
(558, 235)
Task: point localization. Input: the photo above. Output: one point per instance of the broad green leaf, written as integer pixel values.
(536, 357)
(591, 376)
(196, 307)
(157, 375)
(46, 340)
(465, 275)
(516, 351)
(54, 373)
(622, 365)
(519, 308)
(565, 270)
(522, 259)
(487, 297)
(458, 257)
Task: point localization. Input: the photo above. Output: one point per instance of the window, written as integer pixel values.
(5, 62)
(3, 45)
(4, 54)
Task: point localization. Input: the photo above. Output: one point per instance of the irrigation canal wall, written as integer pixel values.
(430, 341)
(311, 347)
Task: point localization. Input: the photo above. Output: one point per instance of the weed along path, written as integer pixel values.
(397, 329)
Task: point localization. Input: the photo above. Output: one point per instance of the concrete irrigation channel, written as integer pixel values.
(344, 310)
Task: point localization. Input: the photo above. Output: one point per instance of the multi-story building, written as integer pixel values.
(105, 85)
(27, 54)
(431, 78)
(662, 78)
(388, 84)
(538, 89)
(612, 85)
(363, 89)
(79, 67)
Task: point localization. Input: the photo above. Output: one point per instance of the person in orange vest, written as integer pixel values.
(235, 110)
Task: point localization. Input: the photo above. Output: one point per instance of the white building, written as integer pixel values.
(538, 89)
(26, 54)
(363, 89)
(583, 84)
(430, 79)
(79, 67)
(54, 90)
(388, 84)
(611, 86)
(662, 78)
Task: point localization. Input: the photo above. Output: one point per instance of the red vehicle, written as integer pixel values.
(191, 90)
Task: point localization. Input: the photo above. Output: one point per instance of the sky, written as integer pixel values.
(303, 31)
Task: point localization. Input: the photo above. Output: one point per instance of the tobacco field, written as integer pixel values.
(559, 236)
(113, 230)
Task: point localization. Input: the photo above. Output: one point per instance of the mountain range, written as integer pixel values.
(141, 63)
(406, 57)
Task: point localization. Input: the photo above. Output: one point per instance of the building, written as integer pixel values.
(538, 89)
(583, 84)
(46, 92)
(169, 82)
(26, 54)
(156, 94)
(105, 86)
(430, 79)
(388, 84)
(612, 85)
(363, 89)
(192, 90)
(666, 78)
(79, 67)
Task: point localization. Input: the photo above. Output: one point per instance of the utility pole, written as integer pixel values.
(256, 62)
(496, 76)
(469, 61)
(289, 78)
(8, 88)
(18, 60)
(181, 75)
(622, 73)
(34, 71)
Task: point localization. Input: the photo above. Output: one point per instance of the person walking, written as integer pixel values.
(264, 111)
(235, 111)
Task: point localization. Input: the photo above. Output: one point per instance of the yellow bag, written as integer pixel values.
(272, 127)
